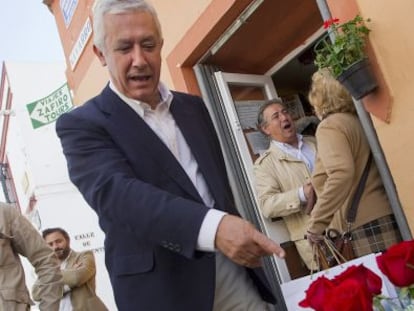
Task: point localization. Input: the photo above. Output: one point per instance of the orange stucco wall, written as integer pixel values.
(176, 18)
(69, 36)
(393, 43)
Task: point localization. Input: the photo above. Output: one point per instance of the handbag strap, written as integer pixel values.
(351, 215)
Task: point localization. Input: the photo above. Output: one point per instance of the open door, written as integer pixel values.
(242, 95)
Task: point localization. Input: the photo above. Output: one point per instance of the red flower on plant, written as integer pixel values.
(397, 263)
(329, 22)
(316, 294)
(362, 275)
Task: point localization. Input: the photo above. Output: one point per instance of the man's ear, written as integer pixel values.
(100, 55)
(264, 130)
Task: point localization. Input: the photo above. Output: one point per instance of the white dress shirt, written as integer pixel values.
(304, 153)
(65, 302)
(161, 121)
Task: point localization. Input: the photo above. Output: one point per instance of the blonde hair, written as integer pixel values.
(328, 96)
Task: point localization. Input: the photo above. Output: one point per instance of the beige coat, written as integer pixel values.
(342, 155)
(278, 177)
(79, 275)
(19, 237)
(79, 280)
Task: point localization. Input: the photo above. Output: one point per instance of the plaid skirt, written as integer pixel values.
(375, 236)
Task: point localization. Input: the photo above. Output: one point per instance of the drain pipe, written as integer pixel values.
(376, 150)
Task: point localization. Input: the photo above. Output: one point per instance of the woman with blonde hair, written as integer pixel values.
(342, 155)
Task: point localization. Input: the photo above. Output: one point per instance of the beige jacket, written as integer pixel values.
(79, 275)
(278, 177)
(19, 237)
(342, 155)
(79, 280)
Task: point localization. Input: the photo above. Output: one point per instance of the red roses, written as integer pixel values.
(397, 263)
(351, 290)
(359, 288)
(317, 293)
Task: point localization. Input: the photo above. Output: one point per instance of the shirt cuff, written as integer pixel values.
(302, 195)
(66, 289)
(208, 230)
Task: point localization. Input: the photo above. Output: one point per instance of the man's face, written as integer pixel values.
(133, 54)
(279, 124)
(59, 244)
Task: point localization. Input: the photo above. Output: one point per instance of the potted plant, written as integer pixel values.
(342, 51)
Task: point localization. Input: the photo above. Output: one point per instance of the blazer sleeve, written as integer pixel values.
(120, 197)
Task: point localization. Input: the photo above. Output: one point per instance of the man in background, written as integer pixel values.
(19, 237)
(78, 270)
(283, 174)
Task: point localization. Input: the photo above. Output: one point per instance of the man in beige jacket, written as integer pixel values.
(19, 237)
(78, 270)
(283, 173)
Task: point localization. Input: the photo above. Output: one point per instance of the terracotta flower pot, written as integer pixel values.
(358, 79)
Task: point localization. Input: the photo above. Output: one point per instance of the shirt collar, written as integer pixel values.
(139, 106)
(287, 146)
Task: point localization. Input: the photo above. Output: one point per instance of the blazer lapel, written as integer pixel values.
(132, 131)
(198, 138)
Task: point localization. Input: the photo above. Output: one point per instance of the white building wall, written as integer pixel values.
(30, 82)
(39, 168)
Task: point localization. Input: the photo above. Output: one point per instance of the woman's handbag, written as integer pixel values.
(336, 247)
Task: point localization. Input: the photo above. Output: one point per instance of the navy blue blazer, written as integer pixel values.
(147, 206)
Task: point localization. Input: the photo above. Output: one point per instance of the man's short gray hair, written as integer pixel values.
(103, 7)
(261, 122)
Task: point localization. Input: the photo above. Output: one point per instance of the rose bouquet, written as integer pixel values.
(397, 264)
(353, 289)
(359, 288)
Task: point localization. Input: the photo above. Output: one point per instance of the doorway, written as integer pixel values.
(242, 70)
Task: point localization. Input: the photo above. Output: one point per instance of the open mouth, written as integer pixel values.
(141, 78)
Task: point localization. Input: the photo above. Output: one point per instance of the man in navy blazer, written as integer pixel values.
(148, 161)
